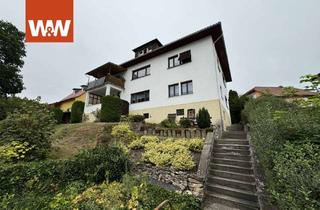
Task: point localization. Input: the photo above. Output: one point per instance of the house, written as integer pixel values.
(289, 94)
(169, 81)
(78, 94)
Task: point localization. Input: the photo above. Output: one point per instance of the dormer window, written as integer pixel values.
(147, 47)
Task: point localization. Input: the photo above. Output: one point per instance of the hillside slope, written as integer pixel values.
(69, 139)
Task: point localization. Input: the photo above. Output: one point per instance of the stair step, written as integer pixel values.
(233, 141)
(232, 146)
(232, 175)
(242, 194)
(235, 127)
(234, 135)
(236, 169)
(234, 156)
(232, 162)
(242, 185)
(231, 151)
(233, 202)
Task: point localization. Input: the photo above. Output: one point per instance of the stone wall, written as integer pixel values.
(179, 181)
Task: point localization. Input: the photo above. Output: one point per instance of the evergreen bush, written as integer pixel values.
(77, 111)
(185, 123)
(58, 114)
(110, 109)
(203, 118)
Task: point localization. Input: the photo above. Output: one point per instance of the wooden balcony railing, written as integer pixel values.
(107, 79)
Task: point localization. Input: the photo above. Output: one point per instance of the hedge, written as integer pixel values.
(110, 109)
(286, 139)
(77, 111)
(58, 114)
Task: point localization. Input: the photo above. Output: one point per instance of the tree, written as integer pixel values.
(77, 111)
(313, 80)
(203, 118)
(12, 50)
(236, 105)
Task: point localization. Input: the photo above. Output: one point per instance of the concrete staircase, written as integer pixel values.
(230, 179)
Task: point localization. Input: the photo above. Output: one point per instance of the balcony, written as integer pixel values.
(109, 79)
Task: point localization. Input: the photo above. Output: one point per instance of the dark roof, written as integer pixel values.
(74, 94)
(147, 44)
(105, 69)
(278, 91)
(215, 31)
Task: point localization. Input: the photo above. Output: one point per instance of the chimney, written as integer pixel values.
(75, 90)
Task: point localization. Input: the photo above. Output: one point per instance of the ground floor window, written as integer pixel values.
(146, 115)
(180, 112)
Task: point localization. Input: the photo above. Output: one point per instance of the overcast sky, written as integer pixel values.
(269, 42)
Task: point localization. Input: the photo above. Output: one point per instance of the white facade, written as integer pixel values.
(204, 71)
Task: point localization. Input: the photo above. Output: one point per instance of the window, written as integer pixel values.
(177, 60)
(142, 72)
(140, 97)
(180, 112)
(191, 114)
(173, 61)
(94, 99)
(173, 90)
(146, 115)
(185, 57)
(186, 88)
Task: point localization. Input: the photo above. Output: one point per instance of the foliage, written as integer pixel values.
(203, 118)
(123, 133)
(297, 174)
(31, 124)
(236, 105)
(286, 138)
(289, 92)
(312, 80)
(166, 123)
(107, 163)
(12, 50)
(77, 111)
(172, 152)
(139, 143)
(3, 113)
(15, 151)
(136, 118)
(58, 114)
(110, 109)
(185, 123)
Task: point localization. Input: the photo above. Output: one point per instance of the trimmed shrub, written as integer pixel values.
(58, 114)
(195, 145)
(110, 109)
(185, 123)
(77, 111)
(203, 118)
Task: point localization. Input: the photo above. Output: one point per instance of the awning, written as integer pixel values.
(185, 55)
(105, 69)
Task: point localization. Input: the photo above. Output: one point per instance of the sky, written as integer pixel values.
(269, 42)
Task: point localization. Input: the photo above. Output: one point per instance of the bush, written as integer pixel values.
(203, 118)
(296, 177)
(195, 145)
(168, 124)
(31, 124)
(185, 123)
(286, 137)
(77, 111)
(110, 109)
(137, 118)
(170, 152)
(107, 163)
(143, 140)
(58, 114)
(123, 133)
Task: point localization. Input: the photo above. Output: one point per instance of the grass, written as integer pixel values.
(69, 139)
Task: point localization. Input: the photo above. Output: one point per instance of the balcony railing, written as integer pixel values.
(107, 79)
